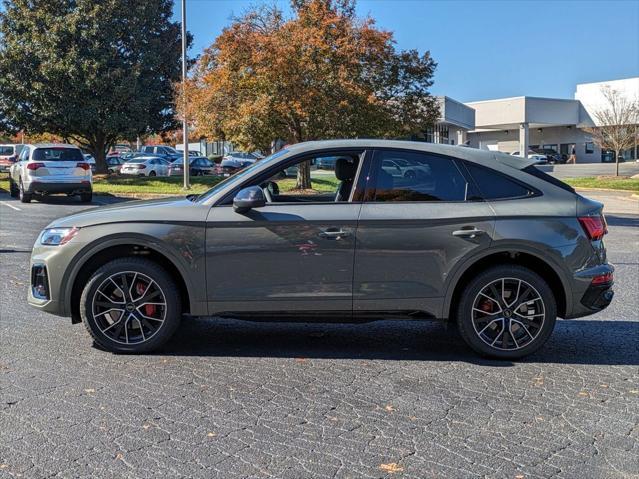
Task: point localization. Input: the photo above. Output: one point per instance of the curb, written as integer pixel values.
(138, 196)
(579, 188)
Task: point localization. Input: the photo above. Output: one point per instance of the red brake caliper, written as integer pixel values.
(149, 309)
(487, 306)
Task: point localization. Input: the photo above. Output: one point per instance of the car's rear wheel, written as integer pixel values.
(506, 312)
(23, 195)
(86, 197)
(130, 305)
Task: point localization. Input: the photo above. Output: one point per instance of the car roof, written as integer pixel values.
(53, 145)
(461, 152)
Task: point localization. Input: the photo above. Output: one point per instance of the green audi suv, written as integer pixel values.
(478, 238)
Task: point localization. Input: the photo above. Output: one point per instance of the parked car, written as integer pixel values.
(145, 166)
(199, 166)
(544, 156)
(492, 244)
(49, 168)
(115, 162)
(326, 163)
(9, 155)
(237, 160)
(91, 161)
(162, 151)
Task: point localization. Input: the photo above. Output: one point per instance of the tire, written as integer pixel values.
(13, 189)
(86, 197)
(152, 173)
(514, 331)
(104, 323)
(24, 197)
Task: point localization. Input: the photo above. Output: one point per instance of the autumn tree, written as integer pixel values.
(617, 123)
(321, 74)
(90, 72)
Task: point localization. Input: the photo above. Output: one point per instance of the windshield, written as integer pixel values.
(241, 174)
(6, 150)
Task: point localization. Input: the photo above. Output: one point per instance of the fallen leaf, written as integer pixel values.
(583, 393)
(90, 390)
(538, 381)
(300, 360)
(211, 434)
(146, 426)
(603, 385)
(391, 467)
(519, 476)
(3, 466)
(634, 391)
(389, 408)
(119, 456)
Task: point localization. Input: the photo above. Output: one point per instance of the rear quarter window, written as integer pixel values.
(494, 185)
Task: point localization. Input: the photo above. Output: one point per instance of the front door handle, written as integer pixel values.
(333, 233)
(468, 233)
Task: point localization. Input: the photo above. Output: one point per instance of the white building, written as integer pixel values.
(523, 123)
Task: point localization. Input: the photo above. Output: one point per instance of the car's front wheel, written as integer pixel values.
(130, 305)
(506, 312)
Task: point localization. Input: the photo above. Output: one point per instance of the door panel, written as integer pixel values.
(405, 252)
(413, 229)
(281, 257)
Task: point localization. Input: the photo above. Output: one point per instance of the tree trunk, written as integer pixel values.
(98, 150)
(304, 176)
(304, 168)
(618, 155)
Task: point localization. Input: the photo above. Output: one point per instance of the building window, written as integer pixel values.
(590, 147)
(551, 147)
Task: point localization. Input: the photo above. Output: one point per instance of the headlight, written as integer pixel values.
(57, 236)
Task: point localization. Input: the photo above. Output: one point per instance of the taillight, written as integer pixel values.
(34, 166)
(141, 167)
(594, 226)
(84, 166)
(602, 279)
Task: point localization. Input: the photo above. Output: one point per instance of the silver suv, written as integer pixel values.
(47, 168)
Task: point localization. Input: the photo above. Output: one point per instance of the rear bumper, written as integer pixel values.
(591, 298)
(42, 187)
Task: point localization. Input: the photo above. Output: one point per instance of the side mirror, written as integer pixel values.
(248, 198)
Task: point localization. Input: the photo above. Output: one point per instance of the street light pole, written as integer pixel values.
(185, 131)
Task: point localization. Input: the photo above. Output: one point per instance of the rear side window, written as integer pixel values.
(6, 150)
(410, 176)
(536, 172)
(57, 154)
(497, 186)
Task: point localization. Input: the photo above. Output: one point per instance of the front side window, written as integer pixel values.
(325, 186)
(412, 176)
(496, 186)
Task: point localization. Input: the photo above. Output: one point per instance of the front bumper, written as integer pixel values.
(55, 260)
(42, 187)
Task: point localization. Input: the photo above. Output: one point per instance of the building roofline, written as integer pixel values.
(525, 97)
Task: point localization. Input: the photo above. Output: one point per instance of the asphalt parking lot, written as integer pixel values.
(235, 399)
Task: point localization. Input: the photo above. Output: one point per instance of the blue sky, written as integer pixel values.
(488, 49)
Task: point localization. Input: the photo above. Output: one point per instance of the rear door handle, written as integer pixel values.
(332, 233)
(468, 233)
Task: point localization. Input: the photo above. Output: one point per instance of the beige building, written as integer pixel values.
(522, 123)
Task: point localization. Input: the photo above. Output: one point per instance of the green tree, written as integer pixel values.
(324, 73)
(91, 71)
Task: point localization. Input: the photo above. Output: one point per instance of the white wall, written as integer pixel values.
(591, 97)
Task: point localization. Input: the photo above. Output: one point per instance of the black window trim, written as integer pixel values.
(364, 153)
(369, 193)
(534, 191)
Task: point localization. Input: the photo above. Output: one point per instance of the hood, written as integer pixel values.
(165, 210)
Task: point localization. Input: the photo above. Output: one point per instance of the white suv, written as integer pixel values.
(47, 168)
